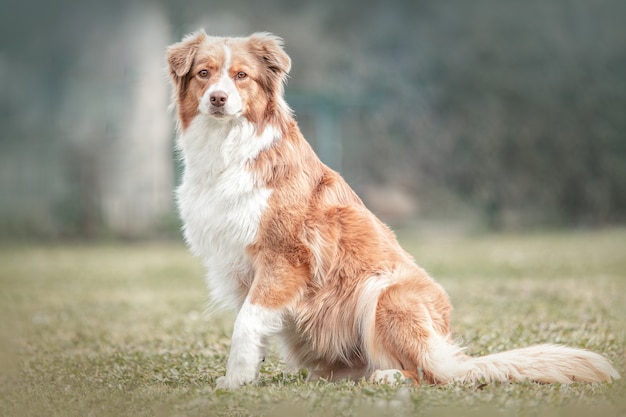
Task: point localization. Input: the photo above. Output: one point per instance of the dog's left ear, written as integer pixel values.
(269, 48)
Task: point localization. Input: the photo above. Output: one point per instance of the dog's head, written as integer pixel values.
(228, 78)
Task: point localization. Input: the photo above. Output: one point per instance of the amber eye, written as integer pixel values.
(203, 74)
(241, 75)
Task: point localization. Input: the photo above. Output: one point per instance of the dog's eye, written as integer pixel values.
(203, 74)
(241, 75)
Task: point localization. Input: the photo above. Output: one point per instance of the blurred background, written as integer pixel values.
(483, 114)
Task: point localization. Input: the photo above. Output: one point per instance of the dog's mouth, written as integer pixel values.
(217, 112)
(220, 113)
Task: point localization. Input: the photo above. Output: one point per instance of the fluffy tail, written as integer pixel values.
(541, 363)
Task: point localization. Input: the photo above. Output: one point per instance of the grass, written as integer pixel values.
(120, 330)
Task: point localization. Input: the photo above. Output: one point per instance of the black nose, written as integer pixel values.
(218, 98)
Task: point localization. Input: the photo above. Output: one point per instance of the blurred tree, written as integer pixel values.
(516, 107)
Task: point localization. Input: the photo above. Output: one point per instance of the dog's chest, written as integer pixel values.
(221, 204)
(221, 216)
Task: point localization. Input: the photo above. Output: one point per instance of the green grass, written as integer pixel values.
(105, 330)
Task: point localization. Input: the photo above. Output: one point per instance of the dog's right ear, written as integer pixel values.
(180, 55)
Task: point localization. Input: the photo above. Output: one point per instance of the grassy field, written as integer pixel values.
(121, 330)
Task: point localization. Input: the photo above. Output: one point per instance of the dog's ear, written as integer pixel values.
(269, 48)
(180, 55)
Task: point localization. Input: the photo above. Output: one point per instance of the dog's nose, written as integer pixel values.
(218, 98)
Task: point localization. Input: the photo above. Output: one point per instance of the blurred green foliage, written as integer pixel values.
(517, 108)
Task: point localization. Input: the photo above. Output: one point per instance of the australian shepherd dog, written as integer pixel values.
(292, 249)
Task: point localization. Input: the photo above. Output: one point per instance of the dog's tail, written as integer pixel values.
(541, 363)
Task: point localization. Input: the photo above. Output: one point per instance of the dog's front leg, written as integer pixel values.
(253, 325)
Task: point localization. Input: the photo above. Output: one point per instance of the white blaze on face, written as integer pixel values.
(224, 87)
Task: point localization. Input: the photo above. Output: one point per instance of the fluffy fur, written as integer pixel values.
(294, 251)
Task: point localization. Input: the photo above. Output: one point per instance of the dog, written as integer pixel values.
(293, 249)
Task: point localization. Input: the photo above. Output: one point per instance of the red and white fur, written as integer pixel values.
(294, 251)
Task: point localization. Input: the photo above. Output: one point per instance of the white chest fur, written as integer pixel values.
(220, 201)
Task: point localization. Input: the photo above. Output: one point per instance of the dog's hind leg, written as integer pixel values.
(410, 317)
(394, 377)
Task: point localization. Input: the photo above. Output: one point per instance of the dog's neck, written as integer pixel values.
(209, 146)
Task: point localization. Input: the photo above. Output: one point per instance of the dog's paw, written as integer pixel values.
(229, 382)
(226, 383)
(223, 383)
(388, 376)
